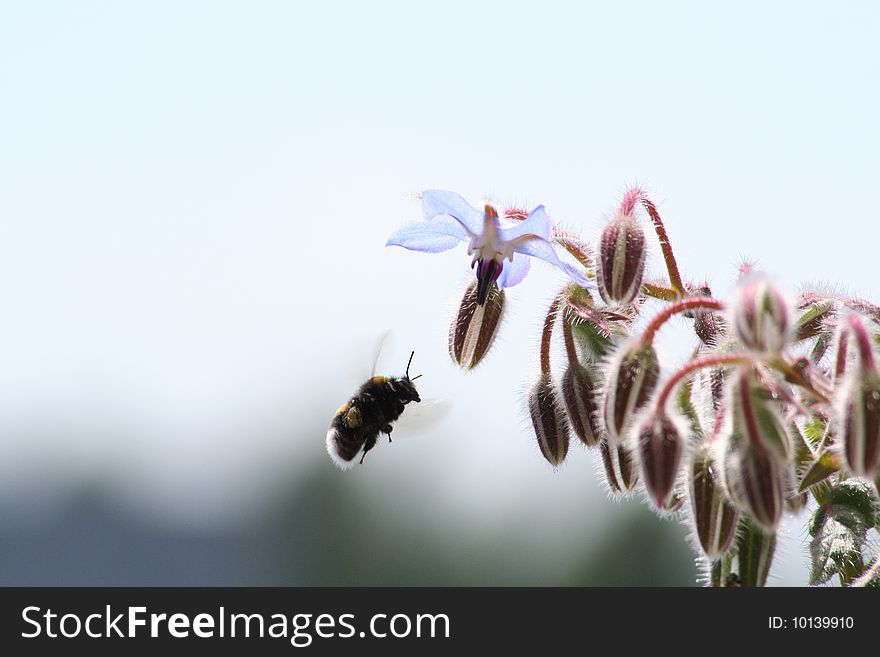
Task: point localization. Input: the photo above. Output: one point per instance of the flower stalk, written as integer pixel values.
(677, 308)
(627, 205)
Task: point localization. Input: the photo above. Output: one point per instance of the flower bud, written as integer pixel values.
(754, 414)
(621, 469)
(622, 251)
(761, 478)
(580, 402)
(474, 326)
(661, 440)
(755, 449)
(709, 327)
(632, 377)
(755, 549)
(760, 315)
(548, 420)
(714, 518)
(858, 421)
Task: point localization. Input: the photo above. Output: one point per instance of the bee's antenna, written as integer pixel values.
(409, 362)
(417, 376)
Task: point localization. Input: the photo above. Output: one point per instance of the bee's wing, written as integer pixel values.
(421, 415)
(377, 350)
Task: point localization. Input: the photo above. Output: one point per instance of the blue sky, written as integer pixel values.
(194, 199)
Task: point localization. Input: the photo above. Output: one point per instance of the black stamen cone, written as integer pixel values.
(485, 277)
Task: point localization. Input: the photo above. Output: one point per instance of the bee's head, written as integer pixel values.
(408, 390)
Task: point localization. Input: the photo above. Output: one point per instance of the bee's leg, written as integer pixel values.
(369, 444)
(387, 430)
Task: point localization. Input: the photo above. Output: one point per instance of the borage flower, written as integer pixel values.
(498, 246)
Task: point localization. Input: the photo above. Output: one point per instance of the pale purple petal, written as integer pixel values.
(538, 223)
(440, 234)
(542, 249)
(514, 271)
(436, 203)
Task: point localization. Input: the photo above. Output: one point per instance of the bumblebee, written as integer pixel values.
(357, 424)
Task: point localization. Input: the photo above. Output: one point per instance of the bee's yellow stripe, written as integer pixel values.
(353, 418)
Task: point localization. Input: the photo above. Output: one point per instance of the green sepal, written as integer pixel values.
(823, 467)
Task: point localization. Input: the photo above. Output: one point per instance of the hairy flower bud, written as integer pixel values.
(858, 422)
(755, 549)
(549, 421)
(755, 414)
(622, 251)
(631, 379)
(755, 480)
(754, 450)
(578, 393)
(761, 316)
(474, 326)
(714, 518)
(661, 441)
(761, 479)
(621, 468)
(709, 327)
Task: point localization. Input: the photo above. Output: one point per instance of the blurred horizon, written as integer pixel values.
(195, 199)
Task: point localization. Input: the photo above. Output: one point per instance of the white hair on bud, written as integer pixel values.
(774, 329)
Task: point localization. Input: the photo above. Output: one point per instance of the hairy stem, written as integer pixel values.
(568, 337)
(698, 364)
(674, 309)
(547, 333)
(627, 205)
(658, 291)
(871, 572)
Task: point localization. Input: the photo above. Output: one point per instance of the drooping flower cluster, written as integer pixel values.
(779, 402)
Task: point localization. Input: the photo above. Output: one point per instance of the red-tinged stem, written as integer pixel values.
(627, 205)
(863, 342)
(568, 336)
(872, 571)
(547, 333)
(629, 200)
(673, 309)
(699, 364)
(864, 306)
